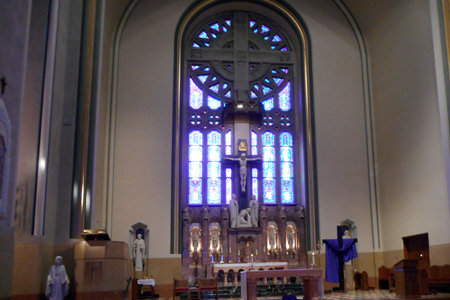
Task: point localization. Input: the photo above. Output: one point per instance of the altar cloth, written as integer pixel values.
(255, 264)
(146, 282)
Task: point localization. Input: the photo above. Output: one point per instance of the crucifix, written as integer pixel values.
(340, 254)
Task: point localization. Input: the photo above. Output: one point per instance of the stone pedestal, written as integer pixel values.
(101, 266)
(349, 275)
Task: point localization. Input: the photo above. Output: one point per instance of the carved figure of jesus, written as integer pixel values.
(243, 170)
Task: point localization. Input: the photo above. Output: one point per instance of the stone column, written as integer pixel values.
(186, 237)
(282, 232)
(205, 236)
(263, 224)
(300, 221)
(225, 225)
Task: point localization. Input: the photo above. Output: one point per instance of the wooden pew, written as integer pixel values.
(383, 278)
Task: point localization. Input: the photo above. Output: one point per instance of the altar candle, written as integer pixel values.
(256, 252)
(221, 249)
(313, 258)
(239, 252)
(264, 249)
(229, 249)
(252, 260)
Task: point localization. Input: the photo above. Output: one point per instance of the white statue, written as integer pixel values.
(243, 170)
(291, 237)
(234, 212)
(245, 218)
(346, 236)
(139, 253)
(254, 208)
(195, 239)
(215, 240)
(57, 281)
(272, 238)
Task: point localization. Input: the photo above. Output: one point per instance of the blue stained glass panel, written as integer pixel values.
(268, 139)
(277, 80)
(225, 29)
(213, 190)
(214, 78)
(255, 187)
(285, 70)
(206, 44)
(195, 138)
(252, 23)
(273, 47)
(268, 169)
(213, 103)
(195, 153)
(228, 190)
(266, 89)
(274, 71)
(287, 191)
(195, 67)
(276, 38)
(228, 22)
(254, 172)
(268, 153)
(253, 95)
(254, 140)
(287, 170)
(195, 95)
(203, 35)
(202, 78)
(284, 49)
(228, 172)
(286, 139)
(213, 35)
(195, 169)
(256, 30)
(268, 104)
(213, 169)
(195, 45)
(256, 87)
(264, 28)
(215, 26)
(195, 191)
(267, 80)
(224, 86)
(214, 88)
(214, 153)
(266, 38)
(228, 143)
(269, 194)
(228, 94)
(206, 69)
(284, 98)
(286, 154)
(214, 138)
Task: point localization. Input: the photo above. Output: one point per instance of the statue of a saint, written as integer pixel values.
(291, 237)
(272, 238)
(195, 240)
(245, 218)
(234, 212)
(139, 253)
(254, 208)
(57, 281)
(243, 170)
(215, 240)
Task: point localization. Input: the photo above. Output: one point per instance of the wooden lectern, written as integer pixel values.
(407, 284)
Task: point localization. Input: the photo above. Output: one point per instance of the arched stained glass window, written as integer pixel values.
(227, 56)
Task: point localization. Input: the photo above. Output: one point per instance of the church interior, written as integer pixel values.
(180, 140)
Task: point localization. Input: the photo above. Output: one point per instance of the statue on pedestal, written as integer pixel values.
(254, 208)
(139, 253)
(245, 218)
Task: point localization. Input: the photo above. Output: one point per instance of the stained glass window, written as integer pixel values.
(213, 103)
(255, 182)
(254, 143)
(286, 168)
(228, 143)
(284, 98)
(214, 167)
(229, 184)
(195, 95)
(267, 104)
(195, 167)
(268, 166)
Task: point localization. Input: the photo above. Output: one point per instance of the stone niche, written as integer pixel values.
(101, 266)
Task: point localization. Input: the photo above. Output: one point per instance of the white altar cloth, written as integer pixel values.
(146, 282)
(255, 264)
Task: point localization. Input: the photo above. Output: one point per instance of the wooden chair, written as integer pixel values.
(181, 285)
(207, 284)
(358, 281)
(364, 281)
(383, 278)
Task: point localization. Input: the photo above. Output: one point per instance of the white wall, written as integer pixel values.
(411, 166)
(143, 124)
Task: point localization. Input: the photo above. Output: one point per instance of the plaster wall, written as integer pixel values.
(141, 186)
(411, 168)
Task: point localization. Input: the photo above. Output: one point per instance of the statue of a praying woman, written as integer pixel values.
(243, 168)
(139, 253)
(254, 208)
(234, 212)
(57, 281)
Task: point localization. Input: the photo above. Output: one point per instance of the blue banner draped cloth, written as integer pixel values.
(332, 257)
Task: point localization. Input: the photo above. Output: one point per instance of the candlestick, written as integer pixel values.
(239, 253)
(264, 249)
(313, 260)
(221, 249)
(229, 249)
(256, 252)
